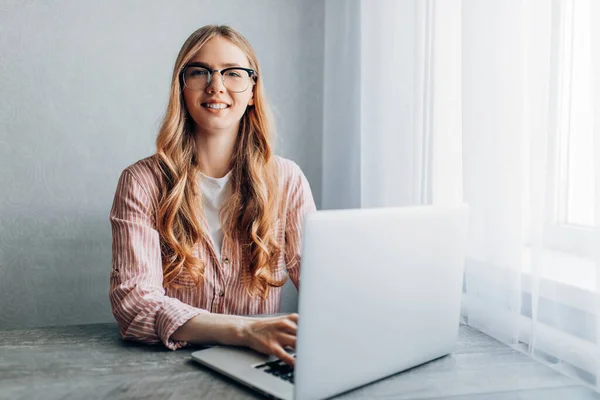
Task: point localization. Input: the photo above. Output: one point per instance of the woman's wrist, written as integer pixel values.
(209, 328)
(230, 330)
(241, 331)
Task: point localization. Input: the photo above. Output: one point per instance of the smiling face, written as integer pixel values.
(215, 109)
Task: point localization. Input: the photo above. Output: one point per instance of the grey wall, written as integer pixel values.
(83, 87)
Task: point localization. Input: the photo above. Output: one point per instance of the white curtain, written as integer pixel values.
(481, 101)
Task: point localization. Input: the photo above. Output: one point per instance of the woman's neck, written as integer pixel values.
(214, 152)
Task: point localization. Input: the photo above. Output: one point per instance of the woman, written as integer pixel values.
(208, 229)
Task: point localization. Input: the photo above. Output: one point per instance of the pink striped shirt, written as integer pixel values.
(146, 311)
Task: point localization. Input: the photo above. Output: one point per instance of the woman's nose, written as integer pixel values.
(216, 84)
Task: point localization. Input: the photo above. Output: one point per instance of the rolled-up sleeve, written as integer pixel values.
(300, 203)
(137, 296)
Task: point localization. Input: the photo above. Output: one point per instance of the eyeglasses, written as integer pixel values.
(196, 76)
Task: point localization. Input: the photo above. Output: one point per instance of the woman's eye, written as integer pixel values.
(234, 74)
(198, 72)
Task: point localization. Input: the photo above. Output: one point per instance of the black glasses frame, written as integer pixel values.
(251, 73)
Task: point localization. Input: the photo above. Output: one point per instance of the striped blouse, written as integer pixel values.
(146, 311)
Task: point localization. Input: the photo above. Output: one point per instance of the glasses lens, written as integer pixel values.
(236, 79)
(196, 78)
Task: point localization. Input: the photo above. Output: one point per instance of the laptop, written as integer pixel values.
(380, 292)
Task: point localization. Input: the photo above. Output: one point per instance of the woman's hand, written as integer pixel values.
(271, 335)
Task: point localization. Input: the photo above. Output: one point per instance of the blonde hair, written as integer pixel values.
(250, 213)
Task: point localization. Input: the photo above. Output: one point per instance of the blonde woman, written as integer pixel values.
(208, 229)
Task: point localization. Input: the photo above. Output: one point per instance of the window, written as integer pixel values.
(576, 184)
(569, 232)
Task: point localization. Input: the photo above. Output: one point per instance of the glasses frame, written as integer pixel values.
(252, 74)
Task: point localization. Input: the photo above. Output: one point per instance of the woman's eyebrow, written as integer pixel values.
(227, 65)
(205, 65)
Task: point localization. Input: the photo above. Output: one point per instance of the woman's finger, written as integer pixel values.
(286, 339)
(288, 326)
(283, 355)
(293, 317)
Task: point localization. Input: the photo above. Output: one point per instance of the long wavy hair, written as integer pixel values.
(249, 215)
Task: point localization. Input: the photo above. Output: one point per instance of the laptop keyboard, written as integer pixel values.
(279, 369)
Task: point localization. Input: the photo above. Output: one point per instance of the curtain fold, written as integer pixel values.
(594, 19)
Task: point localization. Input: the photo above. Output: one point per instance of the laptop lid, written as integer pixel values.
(380, 292)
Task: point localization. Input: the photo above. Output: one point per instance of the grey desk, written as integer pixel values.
(91, 361)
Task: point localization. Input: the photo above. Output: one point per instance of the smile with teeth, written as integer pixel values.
(215, 106)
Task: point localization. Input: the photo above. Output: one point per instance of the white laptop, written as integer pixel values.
(380, 292)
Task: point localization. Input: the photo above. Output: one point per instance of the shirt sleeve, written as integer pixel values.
(137, 296)
(301, 202)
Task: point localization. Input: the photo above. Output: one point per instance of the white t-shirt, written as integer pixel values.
(214, 193)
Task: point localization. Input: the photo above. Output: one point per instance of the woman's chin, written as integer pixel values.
(217, 126)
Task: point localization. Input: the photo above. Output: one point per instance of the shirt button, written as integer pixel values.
(221, 293)
(226, 260)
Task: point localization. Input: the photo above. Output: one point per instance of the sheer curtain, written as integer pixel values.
(392, 81)
(494, 104)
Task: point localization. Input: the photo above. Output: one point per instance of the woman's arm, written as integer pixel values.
(137, 296)
(266, 335)
(213, 329)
